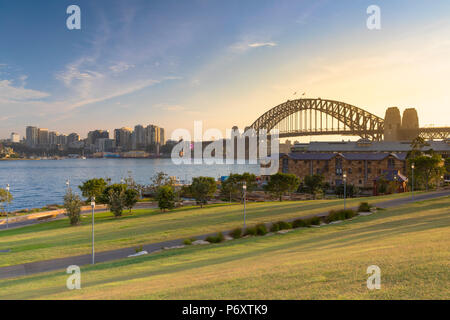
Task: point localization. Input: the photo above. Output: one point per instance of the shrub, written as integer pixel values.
(364, 207)
(251, 231)
(339, 215)
(139, 249)
(187, 242)
(299, 223)
(236, 233)
(261, 229)
(275, 227)
(285, 225)
(314, 221)
(216, 239)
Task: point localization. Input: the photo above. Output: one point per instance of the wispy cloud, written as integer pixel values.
(121, 67)
(262, 44)
(15, 94)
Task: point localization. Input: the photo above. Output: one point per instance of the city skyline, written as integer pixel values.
(224, 63)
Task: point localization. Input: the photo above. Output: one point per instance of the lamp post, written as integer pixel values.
(345, 187)
(412, 181)
(93, 207)
(244, 187)
(68, 183)
(7, 206)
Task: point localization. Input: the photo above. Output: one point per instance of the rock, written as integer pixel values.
(365, 213)
(174, 247)
(197, 242)
(228, 238)
(337, 221)
(284, 231)
(140, 253)
(269, 234)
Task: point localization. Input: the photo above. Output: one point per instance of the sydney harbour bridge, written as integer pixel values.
(307, 117)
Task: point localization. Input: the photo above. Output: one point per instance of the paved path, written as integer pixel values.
(13, 225)
(62, 263)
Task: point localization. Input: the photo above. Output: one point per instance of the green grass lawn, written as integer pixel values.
(410, 244)
(57, 239)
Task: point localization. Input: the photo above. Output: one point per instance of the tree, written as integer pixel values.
(281, 183)
(72, 204)
(5, 198)
(428, 168)
(232, 186)
(114, 196)
(350, 190)
(158, 180)
(314, 184)
(202, 189)
(93, 188)
(165, 197)
(131, 198)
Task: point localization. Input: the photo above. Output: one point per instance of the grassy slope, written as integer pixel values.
(410, 244)
(57, 239)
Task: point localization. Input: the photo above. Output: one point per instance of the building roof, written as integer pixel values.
(369, 156)
(364, 146)
(392, 175)
(311, 156)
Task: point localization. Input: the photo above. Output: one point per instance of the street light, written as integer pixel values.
(345, 187)
(93, 207)
(7, 206)
(412, 181)
(68, 183)
(244, 187)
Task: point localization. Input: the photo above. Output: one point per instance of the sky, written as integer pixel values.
(225, 63)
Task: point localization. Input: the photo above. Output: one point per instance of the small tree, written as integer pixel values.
(232, 186)
(350, 190)
(115, 197)
(428, 168)
(314, 184)
(165, 197)
(281, 183)
(5, 198)
(131, 198)
(202, 189)
(93, 188)
(72, 204)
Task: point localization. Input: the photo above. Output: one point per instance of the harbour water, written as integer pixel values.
(37, 183)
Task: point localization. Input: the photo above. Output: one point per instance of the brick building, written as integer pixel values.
(362, 168)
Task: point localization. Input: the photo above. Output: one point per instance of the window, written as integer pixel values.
(360, 181)
(349, 170)
(359, 169)
(369, 170)
(285, 167)
(391, 163)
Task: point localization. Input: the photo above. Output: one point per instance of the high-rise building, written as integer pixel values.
(61, 140)
(32, 136)
(53, 138)
(123, 138)
(139, 137)
(162, 140)
(73, 137)
(43, 137)
(97, 134)
(15, 137)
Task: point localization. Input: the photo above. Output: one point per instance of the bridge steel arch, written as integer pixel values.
(355, 121)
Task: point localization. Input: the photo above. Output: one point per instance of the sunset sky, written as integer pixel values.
(223, 62)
